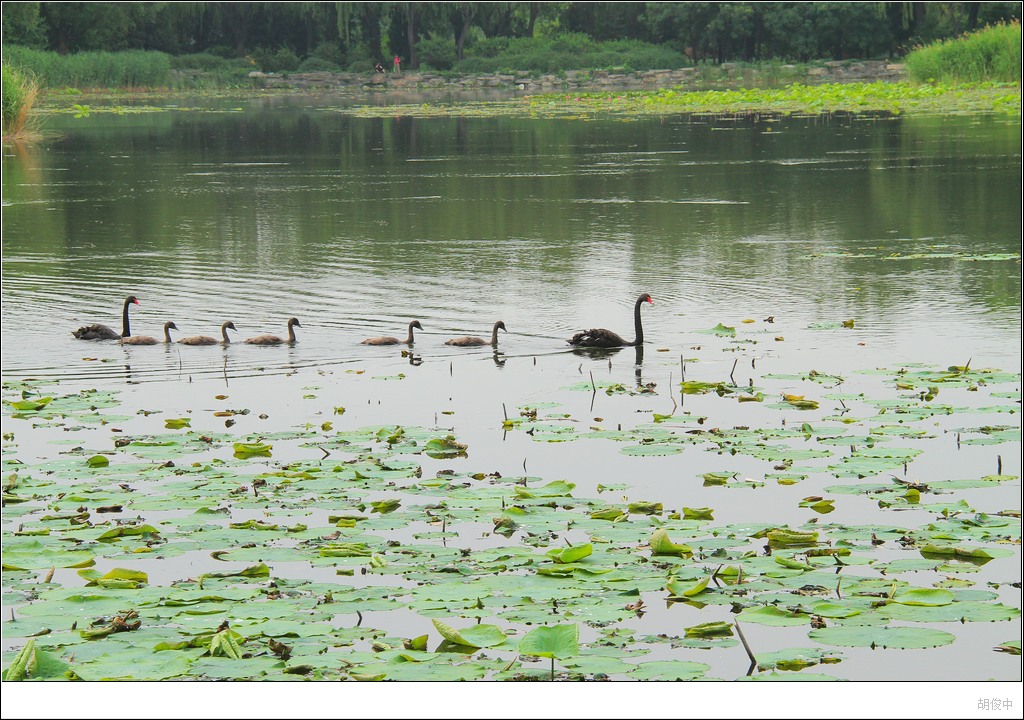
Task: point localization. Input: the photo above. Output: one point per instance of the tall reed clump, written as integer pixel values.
(989, 55)
(128, 69)
(19, 94)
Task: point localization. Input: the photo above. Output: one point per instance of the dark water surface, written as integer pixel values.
(261, 210)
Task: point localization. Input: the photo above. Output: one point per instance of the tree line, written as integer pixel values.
(440, 35)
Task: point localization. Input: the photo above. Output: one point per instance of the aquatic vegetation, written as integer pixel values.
(300, 533)
(796, 99)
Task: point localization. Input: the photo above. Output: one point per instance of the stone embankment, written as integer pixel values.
(585, 80)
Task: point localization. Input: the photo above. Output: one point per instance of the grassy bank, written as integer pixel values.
(990, 55)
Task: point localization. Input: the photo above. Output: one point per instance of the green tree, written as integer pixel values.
(81, 26)
(788, 32)
(23, 24)
(606, 20)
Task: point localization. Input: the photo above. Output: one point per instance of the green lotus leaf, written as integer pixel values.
(118, 577)
(35, 555)
(129, 531)
(715, 629)
(646, 508)
(445, 447)
(31, 405)
(962, 551)
(651, 450)
(792, 659)
(661, 545)
(923, 596)
(834, 609)
(680, 588)
(385, 506)
(251, 449)
(774, 616)
(694, 387)
(556, 488)
(32, 663)
(669, 670)
(477, 636)
(953, 612)
(588, 664)
(551, 641)
(780, 537)
(791, 563)
(570, 554)
(874, 636)
(612, 514)
(260, 570)
(399, 668)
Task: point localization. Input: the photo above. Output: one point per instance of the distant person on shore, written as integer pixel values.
(398, 64)
(378, 68)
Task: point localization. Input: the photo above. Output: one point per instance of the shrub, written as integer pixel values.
(316, 64)
(329, 52)
(281, 60)
(206, 62)
(569, 51)
(436, 53)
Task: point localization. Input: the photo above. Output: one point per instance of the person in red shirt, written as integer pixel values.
(398, 62)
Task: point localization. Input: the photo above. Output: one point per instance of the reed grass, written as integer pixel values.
(989, 55)
(125, 70)
(19, 95)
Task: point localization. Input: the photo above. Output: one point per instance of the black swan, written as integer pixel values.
(388, 340)
(472, 341)
(102, 332)
(274, 339)
(207, 340)
(601, 338)
(149, 340)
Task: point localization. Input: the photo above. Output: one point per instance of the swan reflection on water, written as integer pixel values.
(597, 353)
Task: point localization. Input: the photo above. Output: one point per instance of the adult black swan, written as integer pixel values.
(601, 338)
(102, 332)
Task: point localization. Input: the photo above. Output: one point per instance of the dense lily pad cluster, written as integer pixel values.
(290, 567)
(795, 99)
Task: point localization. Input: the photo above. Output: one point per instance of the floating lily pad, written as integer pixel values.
(902, 638)
(669, 670)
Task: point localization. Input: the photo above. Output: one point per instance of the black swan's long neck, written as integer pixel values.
(291, 332)
(126, 330)
(224, 333)
(167, 332)
(639, 326)
(494, 335)
(408, 340)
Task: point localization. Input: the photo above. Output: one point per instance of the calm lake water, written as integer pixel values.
(258, 210)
